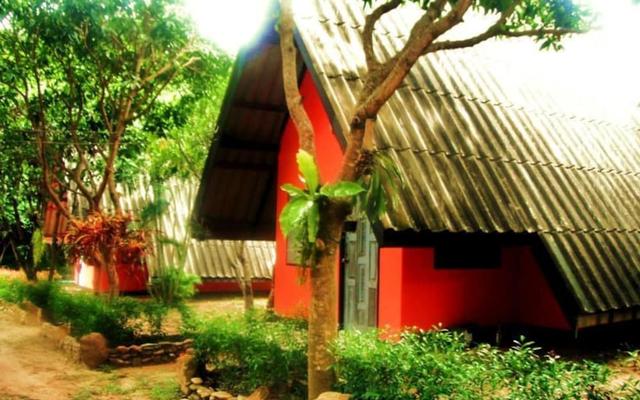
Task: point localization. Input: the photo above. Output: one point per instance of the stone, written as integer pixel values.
(196, 380)
(187, 366)
(204, 392)
(94, 350)
(333, 396)
(149, 347)
(261, 393)
(122, 349)
(136, 361)
(134, 349)
(220, 395)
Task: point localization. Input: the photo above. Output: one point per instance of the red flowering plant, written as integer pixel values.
(104, 240)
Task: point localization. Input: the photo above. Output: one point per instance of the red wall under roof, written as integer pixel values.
(411, 291)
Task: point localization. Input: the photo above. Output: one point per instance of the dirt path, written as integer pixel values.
(32, 369)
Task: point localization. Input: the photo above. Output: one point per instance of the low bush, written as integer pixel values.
(245, 352)
(439, 365)
(172, 285)
(120, 320)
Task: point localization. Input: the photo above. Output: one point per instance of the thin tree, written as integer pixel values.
(323, 207)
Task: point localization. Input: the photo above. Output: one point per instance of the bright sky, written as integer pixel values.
(230, 24)
(607, 59)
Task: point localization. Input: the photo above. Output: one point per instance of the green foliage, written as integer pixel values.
(37, 245)
(172, 286)
(439, 364)
(254, 350)
(182, 149)
(382, 182)
(169, 390)
(300, 218)
(119, 320)
(12, 290)
(82, 70)
(531, 15)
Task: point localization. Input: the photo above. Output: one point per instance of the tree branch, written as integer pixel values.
(381, 84)
(367, 32)
(297, 112)
(495, 30)
(423, 33)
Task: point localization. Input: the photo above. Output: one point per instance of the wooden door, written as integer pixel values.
(360, 283)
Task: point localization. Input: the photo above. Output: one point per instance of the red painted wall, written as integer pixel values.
(133, 278)
(291, 297)
(412, 292)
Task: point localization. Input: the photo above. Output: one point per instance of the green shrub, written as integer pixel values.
(12, 290)
(252, 351)
(120, 320)
(85, 312)
(438, 364)
(171, 285)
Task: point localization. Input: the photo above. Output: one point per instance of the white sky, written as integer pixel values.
(229, 24)
(608, 60)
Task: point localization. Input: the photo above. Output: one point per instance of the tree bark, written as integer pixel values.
(323, 310)
(106, 258)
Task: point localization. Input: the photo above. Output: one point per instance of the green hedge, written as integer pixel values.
(254, 350)
(440, 365)
(262, 350)
(119, 320)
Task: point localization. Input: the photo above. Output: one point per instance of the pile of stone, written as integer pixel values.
(148, 353)
(196, 390)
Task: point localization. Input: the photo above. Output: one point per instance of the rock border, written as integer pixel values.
(121, 356)
(148, 353)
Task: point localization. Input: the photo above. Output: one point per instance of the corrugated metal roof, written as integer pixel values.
(214, 259)
(489, 140)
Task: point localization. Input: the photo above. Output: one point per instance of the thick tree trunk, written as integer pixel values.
(323, 311)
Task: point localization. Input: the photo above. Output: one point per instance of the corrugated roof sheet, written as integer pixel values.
(214, 259)
(489, 140)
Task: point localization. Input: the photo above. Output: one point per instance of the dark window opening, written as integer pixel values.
(467, 253)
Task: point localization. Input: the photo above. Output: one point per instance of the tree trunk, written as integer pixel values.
(248, 287)
(53, 260)
(114, 281)
(323, 311)
(106, 258)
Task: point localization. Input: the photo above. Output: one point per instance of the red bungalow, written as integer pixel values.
(520, 206)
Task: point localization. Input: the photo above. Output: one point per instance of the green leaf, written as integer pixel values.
(313, 222)
(293, 213)
(308, 169)
(292, 190)
(342, 189)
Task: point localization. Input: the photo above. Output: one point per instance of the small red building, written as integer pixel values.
(520, 207)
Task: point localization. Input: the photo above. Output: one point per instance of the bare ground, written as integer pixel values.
(31, 368)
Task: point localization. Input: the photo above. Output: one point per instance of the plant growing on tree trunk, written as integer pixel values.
(545, 21)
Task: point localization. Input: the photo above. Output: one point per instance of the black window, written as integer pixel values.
(467, 252)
